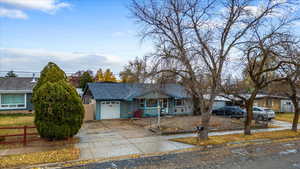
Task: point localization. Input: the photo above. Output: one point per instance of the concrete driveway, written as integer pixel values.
(110, 138)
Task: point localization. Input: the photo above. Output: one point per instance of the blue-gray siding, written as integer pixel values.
(28, 101)
(127, 109)
(98, 110)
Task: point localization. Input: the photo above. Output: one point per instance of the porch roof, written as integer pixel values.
(126, 91)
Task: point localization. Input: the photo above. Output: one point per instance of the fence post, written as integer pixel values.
(25, 135)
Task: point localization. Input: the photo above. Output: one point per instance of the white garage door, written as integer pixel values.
(110, 110)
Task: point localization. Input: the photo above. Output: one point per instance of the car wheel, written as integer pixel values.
(260, 118)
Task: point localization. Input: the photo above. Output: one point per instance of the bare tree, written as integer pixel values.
(194, 39)
(290, 86)
(135, 71)
(264, 54)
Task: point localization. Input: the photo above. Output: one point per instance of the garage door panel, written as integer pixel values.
(110, 110)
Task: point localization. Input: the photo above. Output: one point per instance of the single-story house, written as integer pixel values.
(221, 101)
(15, 94)
(121, 100)
(277, 103)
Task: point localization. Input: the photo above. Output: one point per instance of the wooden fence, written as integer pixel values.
(24, 135)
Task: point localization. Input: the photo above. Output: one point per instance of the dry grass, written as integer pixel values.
(214, 140)
(19, 160)
(22, 120)
(179, 124)
(15, 120)
(288, 117)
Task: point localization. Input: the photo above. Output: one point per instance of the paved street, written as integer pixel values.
(263, 156)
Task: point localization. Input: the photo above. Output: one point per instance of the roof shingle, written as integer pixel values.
(17, 84)
(126, 91)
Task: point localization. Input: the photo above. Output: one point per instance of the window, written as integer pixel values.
(13, 101)
(151, 103)
(178, 102)
(256, 109)
(142, 103)
(269, 102)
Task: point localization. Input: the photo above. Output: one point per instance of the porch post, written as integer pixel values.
(158, 118)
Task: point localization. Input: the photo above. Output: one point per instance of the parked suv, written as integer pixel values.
(262, 113)
(231, 111)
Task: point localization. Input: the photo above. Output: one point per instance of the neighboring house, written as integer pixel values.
(15, 94)
(121, 100)
(79, 91)
(277, 103)
(221, 102)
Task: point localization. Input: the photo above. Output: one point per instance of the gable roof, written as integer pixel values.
(127, 91)
(16, 84)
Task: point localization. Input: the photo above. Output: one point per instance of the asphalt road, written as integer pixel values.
(263, 156)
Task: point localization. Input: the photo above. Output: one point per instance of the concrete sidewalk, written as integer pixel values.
(113, 143)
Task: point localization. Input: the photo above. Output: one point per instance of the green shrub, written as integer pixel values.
(58, 108)
(51, 73)
(58, 111)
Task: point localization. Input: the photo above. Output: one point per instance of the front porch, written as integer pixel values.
(152, 107)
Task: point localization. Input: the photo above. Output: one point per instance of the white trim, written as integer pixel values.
(14, 108)
(15, 91)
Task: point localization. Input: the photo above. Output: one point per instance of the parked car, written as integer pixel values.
(231, 111)
(263, 114)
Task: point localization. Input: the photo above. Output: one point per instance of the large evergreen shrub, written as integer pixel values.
(58, 108)
(50, 73)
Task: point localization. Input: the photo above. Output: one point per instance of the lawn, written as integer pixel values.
(187, 124)
(22, 160)
(15, 120)
(22, 120)
(288, 117)
(47, 151)
(214, 140)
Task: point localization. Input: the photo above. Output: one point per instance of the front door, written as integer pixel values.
(163, 103)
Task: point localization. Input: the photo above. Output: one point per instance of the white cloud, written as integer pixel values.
(42, 5)
(36, 59)
(12, 13)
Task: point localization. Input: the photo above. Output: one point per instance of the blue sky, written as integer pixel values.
(76, 34)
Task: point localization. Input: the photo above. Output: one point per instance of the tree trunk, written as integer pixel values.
(296, 114)
(196, 106)
(205, 118)
(249, 109)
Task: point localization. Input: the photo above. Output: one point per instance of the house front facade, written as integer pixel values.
(15, 95)
(280, 104)
(122, 100)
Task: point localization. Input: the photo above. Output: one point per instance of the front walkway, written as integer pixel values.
(119, 141)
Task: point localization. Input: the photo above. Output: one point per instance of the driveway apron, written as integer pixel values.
(98, 143)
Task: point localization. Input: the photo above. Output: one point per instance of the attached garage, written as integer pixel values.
(110, 110)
